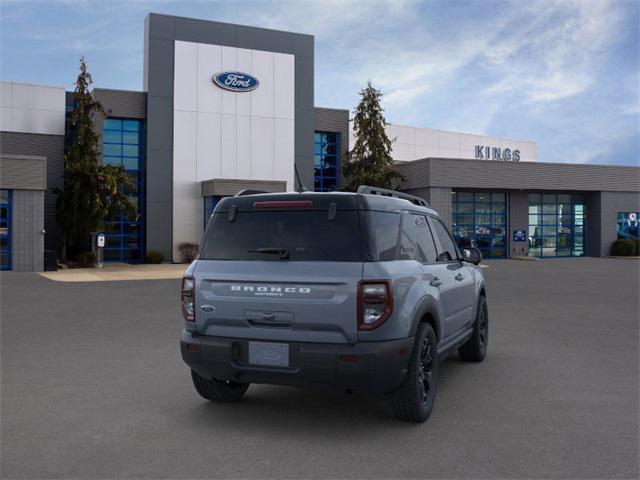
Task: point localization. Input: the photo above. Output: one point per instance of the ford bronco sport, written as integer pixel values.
(359, 290)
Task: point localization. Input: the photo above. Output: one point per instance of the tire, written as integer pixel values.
(217, 390)
(475, 349)
(413, 400)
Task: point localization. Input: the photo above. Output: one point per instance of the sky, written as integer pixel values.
(565, 74)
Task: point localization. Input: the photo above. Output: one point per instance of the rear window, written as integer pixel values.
(304, 235)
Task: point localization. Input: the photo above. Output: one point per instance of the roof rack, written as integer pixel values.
(385, 192)
(248, 191)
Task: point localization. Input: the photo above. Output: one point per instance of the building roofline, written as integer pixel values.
(331, 108)
(463, 133)
(227, 23)
(117, 90)
(401, 162)
(30, 84)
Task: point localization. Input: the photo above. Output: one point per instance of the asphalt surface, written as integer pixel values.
(93, 387)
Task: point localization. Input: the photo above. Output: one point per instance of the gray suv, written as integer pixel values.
(361, 290)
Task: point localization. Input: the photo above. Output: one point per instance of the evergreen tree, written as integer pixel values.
(92, 191)
(370, 161)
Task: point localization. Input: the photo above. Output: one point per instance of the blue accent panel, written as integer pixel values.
(326, 161)
(6, 197)
(123, 145)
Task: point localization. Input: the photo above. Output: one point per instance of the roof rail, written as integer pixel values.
(385, 192)
(248, 191)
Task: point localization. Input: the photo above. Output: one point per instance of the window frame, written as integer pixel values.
(440, 250)
(467, 209)
(540, 200)
(429, 232)
(9, 219)
(322, 142)
(118, 226)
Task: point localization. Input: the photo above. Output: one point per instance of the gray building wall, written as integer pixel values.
(122, 103)
(161, 32)
(119, 104)
(518, 219)
(25, 172)
(440, 200)
(26, 177)
(497, 175)
(27, 240)
(593, 228)
(603, 226)
(52, 148)
(334, 120)
(228, 187)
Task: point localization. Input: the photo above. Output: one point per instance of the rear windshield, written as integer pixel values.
(284, 236)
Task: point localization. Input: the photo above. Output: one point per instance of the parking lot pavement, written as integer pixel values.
(93, 387)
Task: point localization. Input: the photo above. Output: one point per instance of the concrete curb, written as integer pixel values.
(119, 272)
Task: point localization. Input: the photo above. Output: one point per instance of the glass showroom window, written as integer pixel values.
(479, 219)
(556, 225)
(628, 225)
(123, 145)
(5, 229)
(326, 161)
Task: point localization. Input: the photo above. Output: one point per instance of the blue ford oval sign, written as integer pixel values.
(236, 81)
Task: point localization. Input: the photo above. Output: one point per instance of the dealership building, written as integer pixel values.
(228, 107)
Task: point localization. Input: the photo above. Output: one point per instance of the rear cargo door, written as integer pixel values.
(280, 301)
(282, 270)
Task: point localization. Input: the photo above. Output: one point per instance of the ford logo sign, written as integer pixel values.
(236, 81)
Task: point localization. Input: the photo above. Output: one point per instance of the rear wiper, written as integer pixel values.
(283, 252)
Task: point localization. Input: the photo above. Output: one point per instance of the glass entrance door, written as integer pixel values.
(556, 225)
(5, 229)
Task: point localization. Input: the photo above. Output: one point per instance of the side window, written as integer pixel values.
(448, 251)
(424, 240)
(407, 242)
(384, 229)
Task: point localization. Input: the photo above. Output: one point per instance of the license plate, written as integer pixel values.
(269, 354)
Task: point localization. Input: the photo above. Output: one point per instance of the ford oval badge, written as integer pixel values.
(236, 81)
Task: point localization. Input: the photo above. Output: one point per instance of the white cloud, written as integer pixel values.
(458, 66)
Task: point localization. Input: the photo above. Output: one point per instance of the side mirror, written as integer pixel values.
(472, 255)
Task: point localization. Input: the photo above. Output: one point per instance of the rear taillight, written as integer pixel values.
(187, 299)
(375, 303)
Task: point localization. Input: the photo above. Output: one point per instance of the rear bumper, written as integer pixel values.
(370, 366)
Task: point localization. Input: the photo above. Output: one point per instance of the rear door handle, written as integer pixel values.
(459, 277)
(436, 282)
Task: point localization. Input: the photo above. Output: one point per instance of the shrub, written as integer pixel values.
(627, 247)
(188, 251)
(85, 260)
(153, 256)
